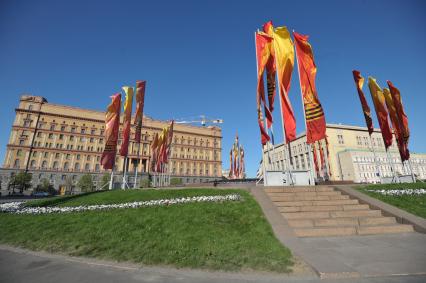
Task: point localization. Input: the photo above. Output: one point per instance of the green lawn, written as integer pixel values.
(413, 204)
(225, 236)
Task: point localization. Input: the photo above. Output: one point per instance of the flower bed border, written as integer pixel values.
(18, 208)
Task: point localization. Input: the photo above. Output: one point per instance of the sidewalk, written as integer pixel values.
(351, 256)
(18, 265)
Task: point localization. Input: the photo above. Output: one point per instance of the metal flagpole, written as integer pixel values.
(327, 165)
(392, 166)
(111, 179)
(282, 123)
(306, 125)
(137, 167)
(377, 162)
(411, 170)
(123, 184)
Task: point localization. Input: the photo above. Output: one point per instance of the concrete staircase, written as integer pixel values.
(323, 211)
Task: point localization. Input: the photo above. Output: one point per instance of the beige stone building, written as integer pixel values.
(351, 156)
(55, 141)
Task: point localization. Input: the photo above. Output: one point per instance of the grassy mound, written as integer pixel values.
(226, 236)
(411, 203)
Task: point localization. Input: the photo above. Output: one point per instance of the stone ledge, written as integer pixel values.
(402, 216)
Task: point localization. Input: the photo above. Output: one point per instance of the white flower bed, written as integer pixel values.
(18, 208)
(410, 192)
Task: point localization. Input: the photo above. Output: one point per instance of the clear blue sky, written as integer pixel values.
(199, 58)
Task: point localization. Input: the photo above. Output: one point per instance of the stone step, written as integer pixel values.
(297, 198)
(301, 189)
(325, 232)
(313, 202)
(356, 213)
(300, 223)
(373, 230)
(333, 222)
(306, 215)
(310, 208)
(281, 194)
(376, 221)
(356, 207)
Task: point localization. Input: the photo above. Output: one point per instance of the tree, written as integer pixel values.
(86, 183)
(69, 185)
(104, 181)
(22, 181)
(45, 186)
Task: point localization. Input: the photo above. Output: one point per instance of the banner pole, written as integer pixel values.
(392, 166)
(137, 167)
(306, 125)
(111, 179)
(411, 170)
(377, 162)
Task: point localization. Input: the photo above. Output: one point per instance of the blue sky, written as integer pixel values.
(199, 58)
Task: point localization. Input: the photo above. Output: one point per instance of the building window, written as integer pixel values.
(19, 152)
(33, 164)
(44, 164)
(78, 156)
(73, 130)
(77, 166)
(83, 131)
(55, 165)
(30, 107)
(97, 167)
(52, 127)
(63, 128)
(340, 139)
(87, 167)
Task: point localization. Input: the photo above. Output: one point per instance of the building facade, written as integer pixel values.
(58, 142)
(351, 156)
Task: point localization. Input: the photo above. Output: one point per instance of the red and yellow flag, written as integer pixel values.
(396, 125)
(402, 117)
(263, 55)
(140, 100)
(381, 111)
(284, 54)
(314, 114)
(112, 124)
(124, 149)
(271, 72)
(359, 82)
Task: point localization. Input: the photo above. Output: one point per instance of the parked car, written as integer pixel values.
(40, 194)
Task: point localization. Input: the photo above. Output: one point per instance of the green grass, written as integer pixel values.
(217, 236)
(413, 204)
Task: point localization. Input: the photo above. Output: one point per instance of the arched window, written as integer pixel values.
(30, 107)
(44, 164)
(55, 165)
(16, 164)
(87, 167)
(77, 166)
(66, 166)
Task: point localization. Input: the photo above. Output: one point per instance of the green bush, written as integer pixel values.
(175, 181)
(45, 186)
(144, 183)
(86, 183)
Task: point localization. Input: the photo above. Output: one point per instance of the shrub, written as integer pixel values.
(45, 186)
(175, 181)
(145, 183)
(86, 183)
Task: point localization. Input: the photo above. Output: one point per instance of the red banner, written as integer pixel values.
(140, 100)
(381, 111)
(112, 124)
(314, 114)
(359, 82)
(263, 54)
(284, 55)
(128, 103)
(402, 117)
